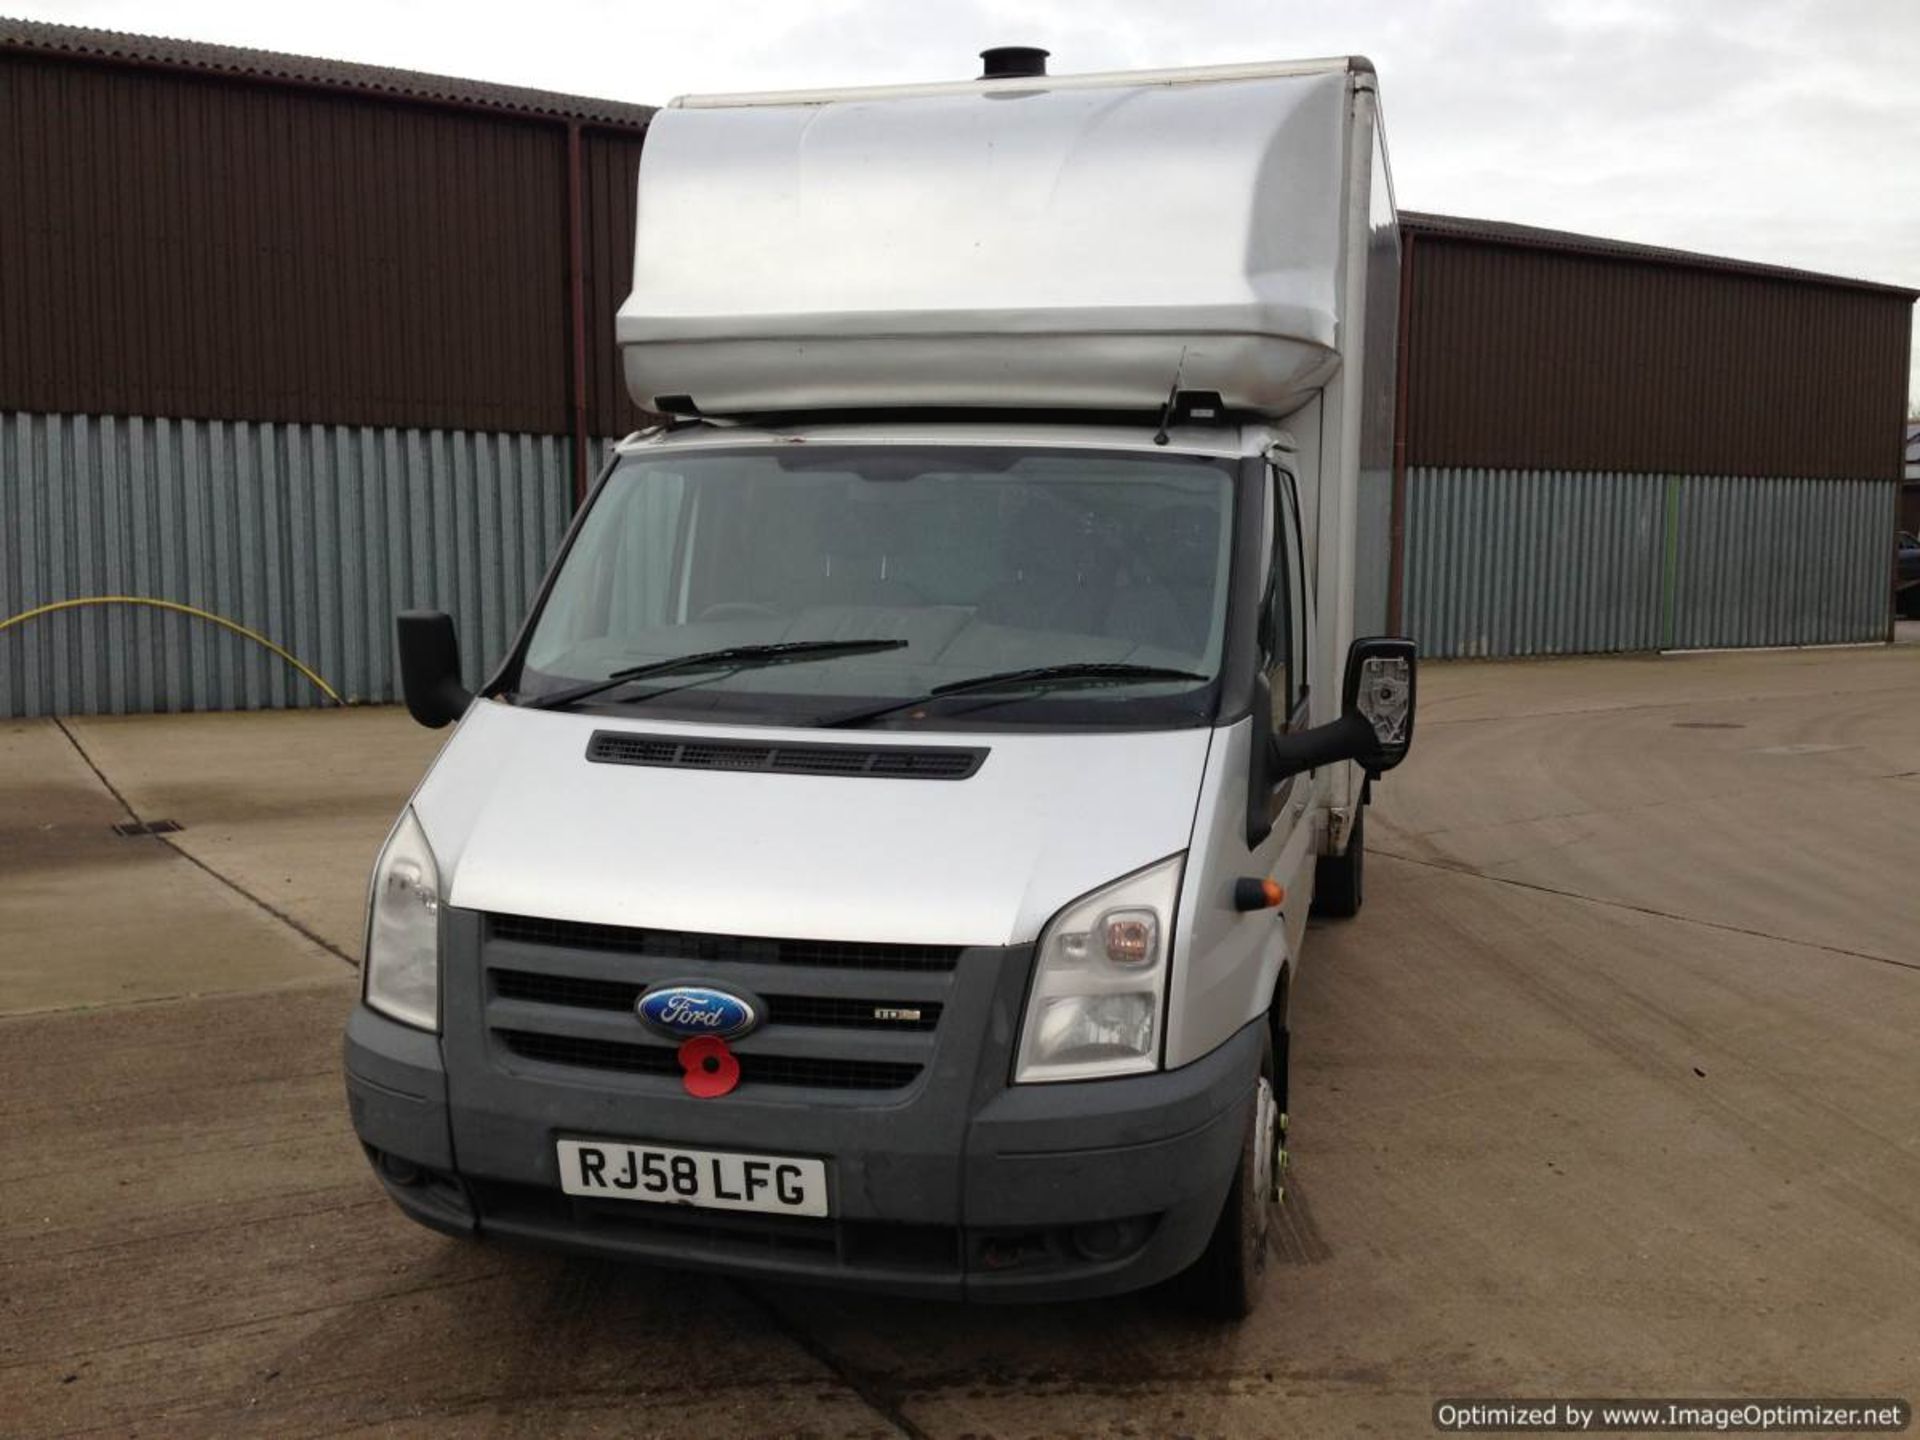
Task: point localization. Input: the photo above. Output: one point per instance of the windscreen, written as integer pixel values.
(979, 560)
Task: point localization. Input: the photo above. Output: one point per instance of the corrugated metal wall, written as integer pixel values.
(1566, 562)
(363, 302)
(224, 248)
(1532, 359)
(312, 535)
(610, 163)
(1780, 562)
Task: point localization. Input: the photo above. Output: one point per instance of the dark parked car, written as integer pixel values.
(1906, 549)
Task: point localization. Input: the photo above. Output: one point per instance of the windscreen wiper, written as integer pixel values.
(743, 657)
(1038, 677)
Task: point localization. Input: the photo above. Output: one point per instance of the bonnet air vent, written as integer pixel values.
(891, 762)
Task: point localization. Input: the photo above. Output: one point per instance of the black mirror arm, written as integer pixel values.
(1350, 737)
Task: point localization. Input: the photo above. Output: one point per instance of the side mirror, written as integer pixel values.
(1379, 688)
(1375, 727)
(430, 668)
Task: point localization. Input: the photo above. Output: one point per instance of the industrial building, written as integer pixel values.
(1604, 446)
(292, 344)
(295, 343)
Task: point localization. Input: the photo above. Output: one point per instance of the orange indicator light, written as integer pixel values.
(1251, 894)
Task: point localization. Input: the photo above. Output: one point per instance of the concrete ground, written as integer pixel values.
(1611, 1090)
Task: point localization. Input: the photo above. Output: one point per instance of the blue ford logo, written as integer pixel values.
(684, 1011)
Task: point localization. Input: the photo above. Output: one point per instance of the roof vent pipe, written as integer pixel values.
(1012, 62)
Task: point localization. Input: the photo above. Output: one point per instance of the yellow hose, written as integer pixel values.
(220, 620)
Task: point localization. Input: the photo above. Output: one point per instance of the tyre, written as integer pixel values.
(1224, 1282)
(1339, 880)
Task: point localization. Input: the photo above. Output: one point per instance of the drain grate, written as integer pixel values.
(148, 827)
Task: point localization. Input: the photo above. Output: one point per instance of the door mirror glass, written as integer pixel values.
(1379, 689)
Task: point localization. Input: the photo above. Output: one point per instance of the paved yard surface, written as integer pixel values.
(1612, 1089)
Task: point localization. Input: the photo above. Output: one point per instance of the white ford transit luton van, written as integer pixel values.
(884, 856)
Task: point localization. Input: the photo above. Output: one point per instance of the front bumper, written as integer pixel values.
(961, 1186)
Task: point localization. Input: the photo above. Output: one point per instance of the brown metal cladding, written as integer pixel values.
(1544, 356)
(611, 162)
(156, 52)
(174, 245)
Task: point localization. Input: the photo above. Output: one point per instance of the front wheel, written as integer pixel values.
(1225, 1281)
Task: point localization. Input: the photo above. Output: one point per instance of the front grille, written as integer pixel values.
(755, 1069)
(576, 992)
(886, 762)
(707, 949)
(853, 1017)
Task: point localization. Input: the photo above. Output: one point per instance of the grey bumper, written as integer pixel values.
(959, 1186)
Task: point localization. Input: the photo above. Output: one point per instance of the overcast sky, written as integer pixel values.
(1785, 131)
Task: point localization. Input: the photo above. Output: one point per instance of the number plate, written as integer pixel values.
(713, 1179)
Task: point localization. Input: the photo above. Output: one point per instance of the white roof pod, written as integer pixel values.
(1055, 242)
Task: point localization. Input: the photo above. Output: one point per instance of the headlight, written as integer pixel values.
(1100, 981)
(403, 929)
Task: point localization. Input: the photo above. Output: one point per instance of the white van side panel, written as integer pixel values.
(1380, 331)
(1357, 430)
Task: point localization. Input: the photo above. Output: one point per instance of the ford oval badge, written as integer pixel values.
(683, 1011)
